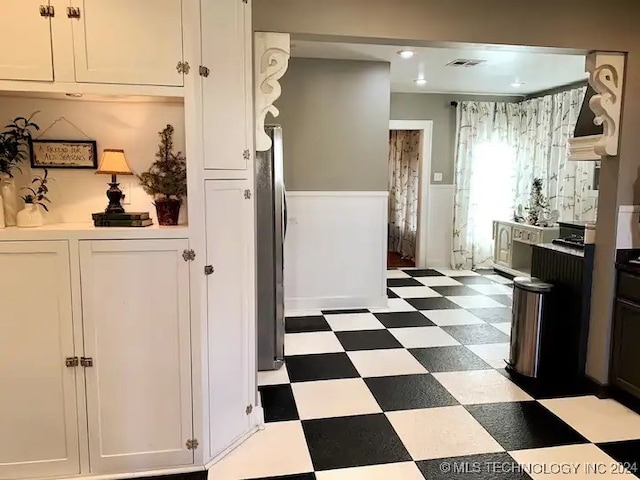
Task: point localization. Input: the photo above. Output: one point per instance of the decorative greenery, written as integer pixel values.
(167, 176)
(14, 144)
(39, 195)
(538, 204)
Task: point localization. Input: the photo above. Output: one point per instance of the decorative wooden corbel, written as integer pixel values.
(271, 53)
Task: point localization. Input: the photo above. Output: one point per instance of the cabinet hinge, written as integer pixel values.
(246, 154)
(183, 67)
(72, 362)
(73, 12)
(249, 409)
(189, 255)
(204, 71)
(47, 11)
(192, 444)
(208, 270)
(86, 361)
(247, 194)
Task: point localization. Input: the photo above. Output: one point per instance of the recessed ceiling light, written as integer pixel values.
(406, 54)
(517, 84)
(421, 81)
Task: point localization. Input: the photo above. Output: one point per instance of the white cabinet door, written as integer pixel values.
(128, 42)
(26, 53)
(135, 300)
(503, 245)
(38, 413)
(227, 98)
(230, 309)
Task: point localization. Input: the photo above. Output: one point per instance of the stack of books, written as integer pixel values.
(127, 219)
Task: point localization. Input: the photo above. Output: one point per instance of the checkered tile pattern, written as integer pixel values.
(417, 391)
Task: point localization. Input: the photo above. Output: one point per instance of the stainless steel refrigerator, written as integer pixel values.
(271, 214)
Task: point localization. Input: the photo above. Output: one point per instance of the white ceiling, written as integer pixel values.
(503, 66)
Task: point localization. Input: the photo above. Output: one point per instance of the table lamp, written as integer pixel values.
(114, 163)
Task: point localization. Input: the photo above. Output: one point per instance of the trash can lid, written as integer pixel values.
(532, 284)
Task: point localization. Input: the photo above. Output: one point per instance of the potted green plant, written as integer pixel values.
(14, 149)
(166, 179)
(36, 197)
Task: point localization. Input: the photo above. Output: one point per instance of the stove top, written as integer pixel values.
(575, 241)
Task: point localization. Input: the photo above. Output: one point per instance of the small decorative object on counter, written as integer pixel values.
(518, 214)
(538, 205)
(36, 197)
(14, 149)
(548, 219)
(127, 219)
(114, 163)
(166, 179)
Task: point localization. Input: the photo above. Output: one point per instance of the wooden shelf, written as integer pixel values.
(86, 231)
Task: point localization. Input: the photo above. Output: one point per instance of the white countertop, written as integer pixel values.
(86, 231)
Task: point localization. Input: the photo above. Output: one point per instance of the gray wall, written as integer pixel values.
(570, 24)
(335, 120)
(437, 107)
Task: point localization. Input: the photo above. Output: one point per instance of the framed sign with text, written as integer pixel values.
(64, 154)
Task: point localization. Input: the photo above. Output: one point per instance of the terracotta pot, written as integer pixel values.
(168, 211)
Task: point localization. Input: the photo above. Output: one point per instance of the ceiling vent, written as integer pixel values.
(465, 62)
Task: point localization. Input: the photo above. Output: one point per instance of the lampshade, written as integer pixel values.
(114, 163)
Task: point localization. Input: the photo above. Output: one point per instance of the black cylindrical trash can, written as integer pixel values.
(526, 324)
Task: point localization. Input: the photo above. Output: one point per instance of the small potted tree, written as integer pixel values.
(36, 196)
(166, 179)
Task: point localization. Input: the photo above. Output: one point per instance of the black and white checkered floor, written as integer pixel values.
(416, 391)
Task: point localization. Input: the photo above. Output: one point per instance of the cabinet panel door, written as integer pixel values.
(38, 413)
(503, 246)
(229, 247)
(626, 355)
(33, 59)
(128, 42)
(135, 299)
(226, 41)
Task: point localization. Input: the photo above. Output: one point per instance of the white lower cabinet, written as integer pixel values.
(135, 302)
(38, 412)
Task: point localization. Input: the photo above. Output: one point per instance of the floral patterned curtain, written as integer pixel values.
(404, 163)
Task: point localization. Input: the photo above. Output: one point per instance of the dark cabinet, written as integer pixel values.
(625, 365)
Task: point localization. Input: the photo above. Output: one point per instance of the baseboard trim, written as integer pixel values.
(330, 303)
(190, 472)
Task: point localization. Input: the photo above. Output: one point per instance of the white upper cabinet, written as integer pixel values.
(227, 92)
(38, 413)
(137, 42)
(135, 300)
(26, 35)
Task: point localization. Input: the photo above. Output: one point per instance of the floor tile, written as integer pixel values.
(505, 300)
(302, 313)
(394, 305)
(477, 280)
(403, 282)
(459, 291)
(491, 289)
(500, 279)
(476, 334)
(297, 476)
(475, 301)
(452, 317)
(488, 466)
(598, 420)
(524, 425)
(354, 321)
(367, 340)
(404, 319)
(356, 441)
(273, 377)
(344, 311)
(439, 281)
(503, 327)
(416, 292)
(406, 392)
(278, 403)
(423, 272)
(334, 398)
(493, 315)
(494, 354)
(397, 274)
(448, 359)
(309, 343)
(457, 273)
(423, 337)
(627, 453)
(381, 363)
(314, 323)
(279, 449)
(389, 471)
(439, 303)
(481, 386)
(328, 366)
(581, 462)
(390, 294)
(441, 432)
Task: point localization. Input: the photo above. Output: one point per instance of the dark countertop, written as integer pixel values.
(562, 249)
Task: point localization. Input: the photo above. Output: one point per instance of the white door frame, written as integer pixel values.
(426, 127)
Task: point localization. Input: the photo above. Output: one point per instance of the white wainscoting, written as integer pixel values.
(440, 229)
(335, 253)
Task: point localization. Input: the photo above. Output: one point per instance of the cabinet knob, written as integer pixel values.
(71, 362)
(73, 12)
(47, 11)
(208, 270)
(86, 361)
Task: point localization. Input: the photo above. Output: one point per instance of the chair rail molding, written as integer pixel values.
(271, 57)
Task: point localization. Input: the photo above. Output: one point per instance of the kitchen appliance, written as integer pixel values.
(271, 224)
(571, 234)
